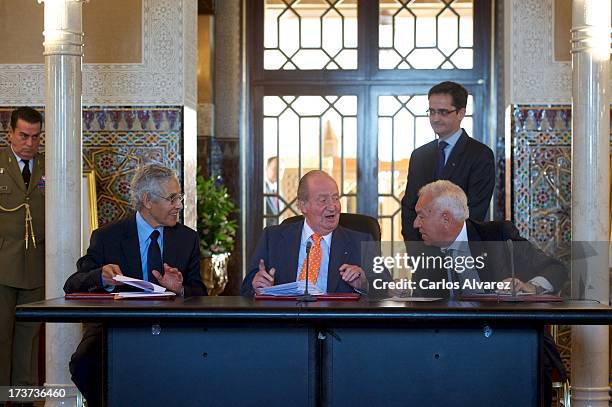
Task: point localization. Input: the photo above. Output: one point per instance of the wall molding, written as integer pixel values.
(158, 80)
(533, 76)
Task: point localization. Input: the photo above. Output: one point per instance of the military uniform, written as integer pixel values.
(22, 271)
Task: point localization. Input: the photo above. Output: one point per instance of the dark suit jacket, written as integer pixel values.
(490, 238)
(470, 165)
(117, 243)
(279, 247)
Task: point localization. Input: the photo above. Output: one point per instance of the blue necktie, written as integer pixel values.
(154, 260)
(441, 160)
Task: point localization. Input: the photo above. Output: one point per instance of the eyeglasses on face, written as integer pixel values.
(440, 112)
(174, 199)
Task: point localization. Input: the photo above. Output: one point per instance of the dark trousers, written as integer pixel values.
(18, 340)
(87, 365)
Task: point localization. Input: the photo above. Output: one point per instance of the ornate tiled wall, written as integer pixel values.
(541, 180)
(116, 140)
(541, 175)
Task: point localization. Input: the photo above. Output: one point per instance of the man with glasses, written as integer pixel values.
(453, 156)
(338, 261)
(149, 245)
(22, 253)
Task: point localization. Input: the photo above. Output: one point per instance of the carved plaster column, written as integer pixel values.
(63, 59)
(590, 192)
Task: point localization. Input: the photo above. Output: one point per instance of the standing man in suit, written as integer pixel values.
(442, 219)
(336, 263)
(149, 245)
(22, 245)
(273, 203)
(453, 156)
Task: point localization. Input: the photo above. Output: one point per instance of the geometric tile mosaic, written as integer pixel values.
(541, 159)
(541, 178)
(116, 141)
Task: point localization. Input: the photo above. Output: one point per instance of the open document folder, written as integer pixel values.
(291, 289)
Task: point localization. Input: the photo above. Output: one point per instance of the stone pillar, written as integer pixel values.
(63, 168)
(590, 192)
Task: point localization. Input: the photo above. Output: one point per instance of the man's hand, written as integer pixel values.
(108, 272)
(263, 278)
(353, 275)
(519, 286)
(172, 279)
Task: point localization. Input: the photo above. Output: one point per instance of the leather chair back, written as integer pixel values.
(353, 221)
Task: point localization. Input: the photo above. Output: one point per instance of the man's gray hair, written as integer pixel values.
(447, 196)
(148, 180)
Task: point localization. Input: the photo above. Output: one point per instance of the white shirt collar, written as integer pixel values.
(307, 232)
(453, 138)
(19, 159)
(272, 186)
(461, 241)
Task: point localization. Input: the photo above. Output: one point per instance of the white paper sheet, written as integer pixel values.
(144, 285)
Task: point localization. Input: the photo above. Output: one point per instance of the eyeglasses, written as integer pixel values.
(174, 199)
(441, 112)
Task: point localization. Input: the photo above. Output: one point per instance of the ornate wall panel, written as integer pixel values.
(158, 80)
(533, 76)
(541, 177)
(116, 141)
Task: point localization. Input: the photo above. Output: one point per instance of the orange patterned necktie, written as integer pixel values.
(314, 261)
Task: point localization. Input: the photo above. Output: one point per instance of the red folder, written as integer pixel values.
(111, 296)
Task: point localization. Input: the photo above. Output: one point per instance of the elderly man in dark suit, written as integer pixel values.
(453, 156)
(442, 219)
(148, 245)
(338, 261)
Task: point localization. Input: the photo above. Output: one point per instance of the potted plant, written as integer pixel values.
(217, 232)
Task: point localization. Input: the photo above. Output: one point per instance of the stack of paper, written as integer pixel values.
(291, 289)
(144, 285)
(150, 290)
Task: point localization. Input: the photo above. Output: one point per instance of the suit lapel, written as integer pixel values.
(429, 164)
(338, 255)
(13, 169)
(455, 157)
(291, 238)
(37, 171)
(494, 265)
(131, 248)
(170, 247)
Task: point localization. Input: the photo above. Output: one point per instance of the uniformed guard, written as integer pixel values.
(22, 245)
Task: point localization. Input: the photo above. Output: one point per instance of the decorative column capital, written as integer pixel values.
(590, 29)
(63, 27)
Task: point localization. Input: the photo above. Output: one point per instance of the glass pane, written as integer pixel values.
(425, 34)
(303, 133)
(313, 34)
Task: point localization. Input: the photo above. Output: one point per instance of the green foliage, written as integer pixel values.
(217, 232)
